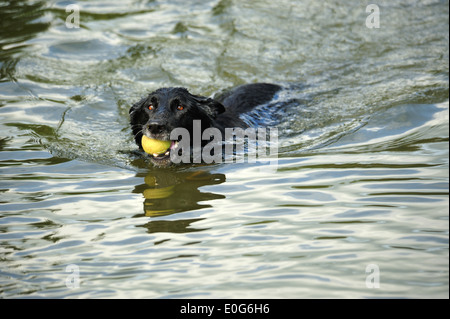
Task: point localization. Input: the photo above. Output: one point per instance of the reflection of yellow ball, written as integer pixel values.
(158, 193)
(152, 146)
(157, 213)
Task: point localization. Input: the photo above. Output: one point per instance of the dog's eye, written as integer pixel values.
(150, 107)
(180, 107)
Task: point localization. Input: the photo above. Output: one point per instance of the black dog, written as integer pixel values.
(168, 108)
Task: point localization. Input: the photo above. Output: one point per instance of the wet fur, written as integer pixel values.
(221, 112)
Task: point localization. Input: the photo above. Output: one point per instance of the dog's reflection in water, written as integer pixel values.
(168, 192)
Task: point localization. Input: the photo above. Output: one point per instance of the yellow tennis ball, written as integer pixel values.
(152, 146)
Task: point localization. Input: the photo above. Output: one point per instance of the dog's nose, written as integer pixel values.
(155, 128)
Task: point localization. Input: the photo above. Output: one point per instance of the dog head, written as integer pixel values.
(165, 109)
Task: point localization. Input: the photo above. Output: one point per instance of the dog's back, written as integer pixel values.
(244, 98)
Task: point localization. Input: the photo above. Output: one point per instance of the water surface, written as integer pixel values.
(362, 170)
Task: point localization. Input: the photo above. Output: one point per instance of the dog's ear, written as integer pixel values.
(136, 106)
(211, 107)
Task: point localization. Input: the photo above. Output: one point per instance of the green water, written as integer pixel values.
(361, 177)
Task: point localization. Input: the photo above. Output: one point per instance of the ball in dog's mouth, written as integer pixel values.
(157, 148)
